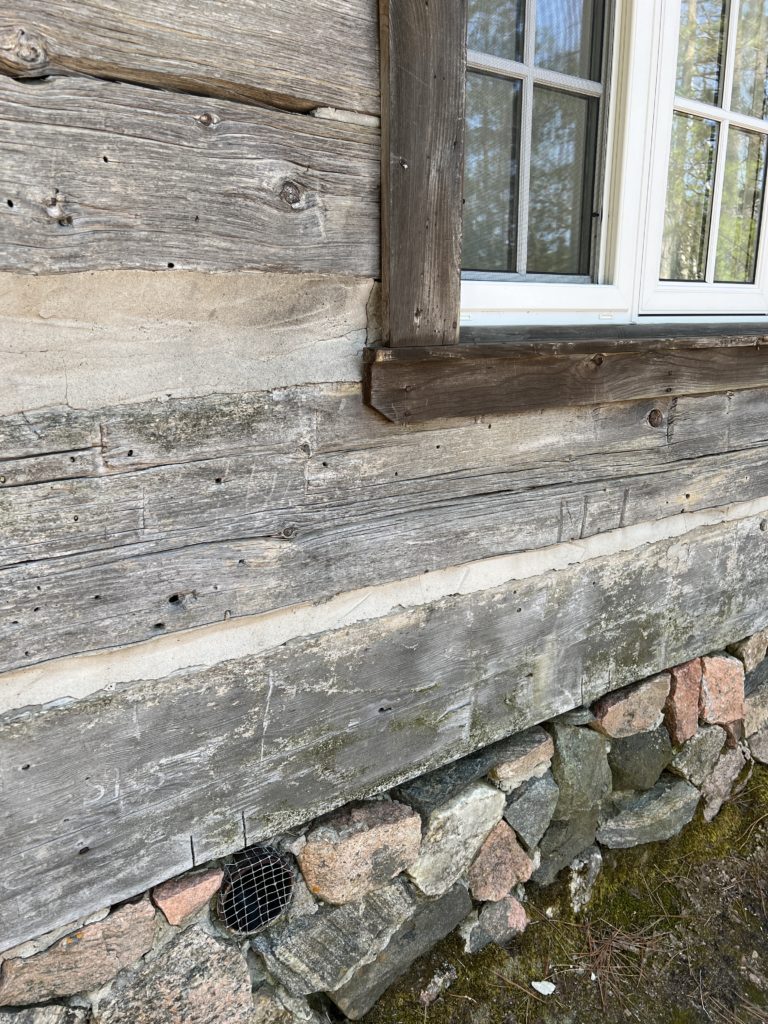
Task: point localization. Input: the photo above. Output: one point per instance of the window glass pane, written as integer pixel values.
(741, 207)
(496, 27)
(563, 152)
(569, 36)
(750, 76)
(492, 143)
(700, 51)
(689, 199)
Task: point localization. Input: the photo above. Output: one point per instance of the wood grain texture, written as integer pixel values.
(137, 521)
(109, 795)
(300, 54)
(419, 384)
(101, 175)
(423, 67)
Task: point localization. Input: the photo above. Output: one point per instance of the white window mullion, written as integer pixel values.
(726, 93)
(529, 54)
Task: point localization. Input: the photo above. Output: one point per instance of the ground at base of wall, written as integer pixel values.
(675, 933)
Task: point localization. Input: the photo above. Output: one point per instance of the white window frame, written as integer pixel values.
(642, 99)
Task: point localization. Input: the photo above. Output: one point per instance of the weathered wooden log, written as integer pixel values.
(111, 794)
(97, 175)
(296, 53)
(136, 521)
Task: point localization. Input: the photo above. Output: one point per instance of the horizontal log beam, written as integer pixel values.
(111, 794)
(97, 175)
(297, 53)
(418, 384)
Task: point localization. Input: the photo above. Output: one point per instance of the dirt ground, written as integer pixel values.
(676, 933)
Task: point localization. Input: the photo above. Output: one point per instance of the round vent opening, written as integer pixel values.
(256, 890)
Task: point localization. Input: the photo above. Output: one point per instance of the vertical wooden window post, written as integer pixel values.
(423, 70)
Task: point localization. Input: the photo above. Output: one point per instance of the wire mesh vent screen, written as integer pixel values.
(257, 888)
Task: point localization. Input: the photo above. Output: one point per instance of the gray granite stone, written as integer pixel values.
(322, 953)
(580, 768)
(530, 809)
(696, 758)
(638, 761)
(650, 817)
(432, 920)
(563, 841)
(47, 1015)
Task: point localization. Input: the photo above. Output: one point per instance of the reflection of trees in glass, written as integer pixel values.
(568, 36)
(741, 207)
(689, 199)
(496, 27)
(562, 168)
(700, 51)
(491, 173)
(750, 77)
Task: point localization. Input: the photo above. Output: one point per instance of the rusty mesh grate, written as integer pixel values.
(257, 888)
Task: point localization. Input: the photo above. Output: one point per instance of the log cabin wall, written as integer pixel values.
(233, 596)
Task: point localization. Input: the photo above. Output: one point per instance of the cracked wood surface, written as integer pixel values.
(99, 175)
(294, 53)
(142, 520)
(114, 793)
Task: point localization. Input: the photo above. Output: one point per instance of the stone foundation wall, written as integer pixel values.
(334, 913)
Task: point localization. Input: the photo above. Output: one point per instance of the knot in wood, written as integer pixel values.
(207, 119)
(656, 417)
(289, 532)
(597, 360)
(293, 194)
(22, 53)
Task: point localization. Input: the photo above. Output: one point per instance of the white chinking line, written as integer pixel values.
(77, 677)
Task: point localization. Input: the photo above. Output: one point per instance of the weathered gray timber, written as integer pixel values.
(423, 72)
(106, 796)
(301, 54)
(98, 175)
(142, 520)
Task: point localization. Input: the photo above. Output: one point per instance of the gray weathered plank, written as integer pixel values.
(301, 54)
(204, 509)
(423, 69)
(109, 795)
(417, 384)
(101, 175)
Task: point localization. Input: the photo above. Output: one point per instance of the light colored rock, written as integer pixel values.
(195, 979)
(46, 1015)
(498, 922)
(580, 769)
(638, 761)
(454, 834)
(432, 921)
(751, 650)
(718, 785)
(584, 871)
(321, 953)
(529, 756)
(758, 746)
(43, 942)
(277, 1007)
(756, 710)
(500, 864)
(722, 690)
(633, 709)
(84, 960)
(181, 898)
(358, 849)
(530, 808)
(681, 709)
(658, 814)
(696, 759)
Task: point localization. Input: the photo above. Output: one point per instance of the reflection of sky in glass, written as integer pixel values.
(689, 199)
(700, 50)
(741, 208)
(565, 34)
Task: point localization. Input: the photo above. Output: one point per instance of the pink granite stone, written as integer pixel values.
(180, 898)
(634, 709)
(681, 711)
(722, 690)
(500, 864)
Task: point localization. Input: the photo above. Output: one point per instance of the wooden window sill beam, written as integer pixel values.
(497, 370)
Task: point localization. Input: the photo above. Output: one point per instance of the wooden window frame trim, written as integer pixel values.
(428, 368)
